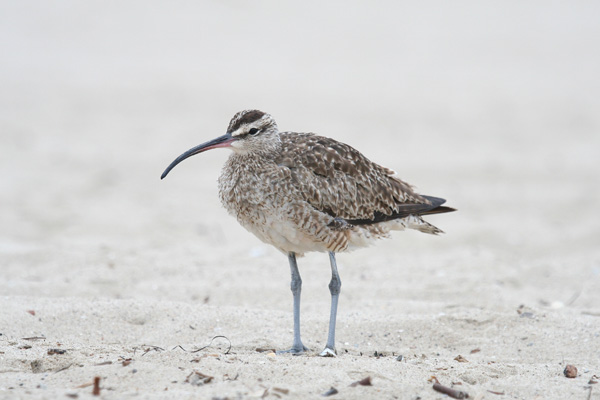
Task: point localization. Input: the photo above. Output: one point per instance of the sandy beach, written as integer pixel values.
(108, 272)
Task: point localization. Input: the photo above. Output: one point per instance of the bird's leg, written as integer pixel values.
(296, 286)
(334, 288)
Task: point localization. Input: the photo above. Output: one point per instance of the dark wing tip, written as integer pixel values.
(436, 206)
(439, 210)
(406, 209)
(435, 201)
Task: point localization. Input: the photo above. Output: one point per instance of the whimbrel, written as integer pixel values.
(301, 192)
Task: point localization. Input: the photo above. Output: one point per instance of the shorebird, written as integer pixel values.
(301, 192)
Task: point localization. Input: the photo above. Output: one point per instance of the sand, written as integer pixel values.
(106, 271)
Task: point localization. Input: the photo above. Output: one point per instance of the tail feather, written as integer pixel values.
(421, 225)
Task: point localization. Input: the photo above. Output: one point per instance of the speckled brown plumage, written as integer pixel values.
(305, 192)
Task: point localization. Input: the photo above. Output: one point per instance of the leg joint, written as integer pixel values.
(335, 285)
(296, 285)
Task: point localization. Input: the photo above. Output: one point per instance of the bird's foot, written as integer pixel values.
(295, 350)
(328, 352)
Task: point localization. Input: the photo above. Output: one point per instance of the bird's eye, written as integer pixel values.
(253, 131)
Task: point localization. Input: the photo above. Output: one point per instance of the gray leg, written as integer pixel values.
(297, 346)
(334, 288)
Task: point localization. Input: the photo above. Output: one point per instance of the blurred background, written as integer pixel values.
(494, 106)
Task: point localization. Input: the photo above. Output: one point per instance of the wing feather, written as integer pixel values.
(338, 180)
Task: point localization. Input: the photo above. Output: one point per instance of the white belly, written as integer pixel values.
(284, 235)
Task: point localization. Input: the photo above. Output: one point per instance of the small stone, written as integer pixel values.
(198, 379)
(363, 382)
(36, 366)
(570, 371)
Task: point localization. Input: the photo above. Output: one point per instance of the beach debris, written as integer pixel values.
(226, 377)
(150, 348)
(498, 393)
(455, 394)
(63, 368)
(363, 382)
(593, 380)
(525, 312)
(280, 390)
(265, 350)
(96, 389)
(37, 366)
(198, 378)
(378, 354)
(208, 345)
(570, 371)
(400, 358)
(477, 350)
(461, 359)
(34, 338)
(72, 395)
(125, 362)
(56, 351)
(103, 363)
(330, 392)
(198, 359)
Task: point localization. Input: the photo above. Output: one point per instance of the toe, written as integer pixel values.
(327, 352)
(295, 350)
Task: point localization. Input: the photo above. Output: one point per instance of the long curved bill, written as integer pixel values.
(221, 141)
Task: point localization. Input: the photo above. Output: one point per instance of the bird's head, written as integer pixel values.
(249, 131)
